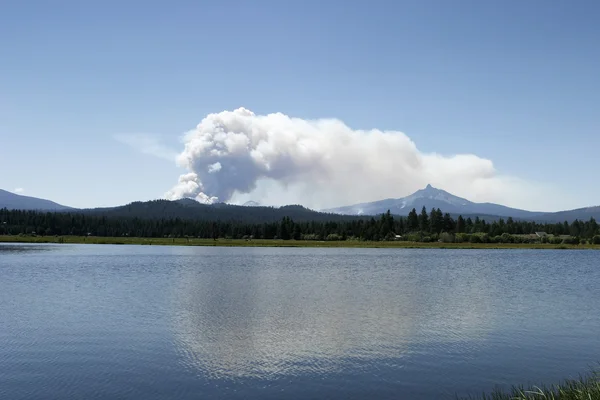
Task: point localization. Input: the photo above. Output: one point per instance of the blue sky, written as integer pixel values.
(514, 82)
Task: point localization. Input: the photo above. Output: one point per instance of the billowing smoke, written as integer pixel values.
(322, 163)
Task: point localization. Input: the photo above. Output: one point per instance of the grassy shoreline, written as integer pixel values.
(281, 243)
(584, 388)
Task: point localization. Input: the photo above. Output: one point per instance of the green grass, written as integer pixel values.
(279, 243)
(584, 388)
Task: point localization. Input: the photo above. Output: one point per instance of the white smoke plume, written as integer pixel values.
(277, 159)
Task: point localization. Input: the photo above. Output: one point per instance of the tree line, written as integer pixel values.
(424, 226)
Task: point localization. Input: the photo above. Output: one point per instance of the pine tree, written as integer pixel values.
(424, 220)
(460, 224)
(449, 225)
(412, 222)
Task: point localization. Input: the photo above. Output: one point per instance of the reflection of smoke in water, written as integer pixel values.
(258, 319)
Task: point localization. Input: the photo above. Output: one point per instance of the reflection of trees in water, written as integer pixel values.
(260, 316)
(18, 248)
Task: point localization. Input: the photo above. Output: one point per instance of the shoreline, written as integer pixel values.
(584, 387)
(284, 243)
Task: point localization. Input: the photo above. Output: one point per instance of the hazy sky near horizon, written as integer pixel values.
(95, 99)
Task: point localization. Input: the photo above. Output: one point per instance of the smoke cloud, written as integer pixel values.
(233, 156)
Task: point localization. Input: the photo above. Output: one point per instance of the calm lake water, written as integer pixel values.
(149, 322)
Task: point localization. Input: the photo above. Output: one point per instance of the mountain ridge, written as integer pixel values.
(186, 208)
(431, 197)
(14, 201)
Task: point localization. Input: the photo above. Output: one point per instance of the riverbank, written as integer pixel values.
(584, 388)
(280, 243)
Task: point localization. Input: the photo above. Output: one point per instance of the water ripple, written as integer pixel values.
(125, 322)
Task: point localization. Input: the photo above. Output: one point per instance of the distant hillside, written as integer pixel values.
(431, 197)
(188, 209)
(582, 214)
(191, 209)
(252, 212)
(13, 201)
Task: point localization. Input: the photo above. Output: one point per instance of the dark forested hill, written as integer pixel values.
(582, 214)
(187, 209)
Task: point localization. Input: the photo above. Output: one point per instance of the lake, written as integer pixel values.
(150, 322)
